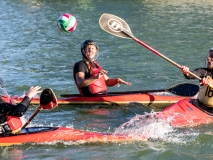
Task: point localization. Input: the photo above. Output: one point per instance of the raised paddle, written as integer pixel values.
(118, 27)
(184, 89)
(48, 100)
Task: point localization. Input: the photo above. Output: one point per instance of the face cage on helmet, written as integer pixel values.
(206, 62)
(83, 52)
(89, 42)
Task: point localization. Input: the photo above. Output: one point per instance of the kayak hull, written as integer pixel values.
(150, 100)
(57, 134)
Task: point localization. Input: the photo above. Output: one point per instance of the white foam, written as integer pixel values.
(150, 127)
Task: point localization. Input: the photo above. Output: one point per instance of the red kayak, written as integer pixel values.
(185, 114)
(181, 114)
(151, 100)
(158, 99)
(57, 134)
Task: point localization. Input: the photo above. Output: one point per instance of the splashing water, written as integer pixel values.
(147, 126)
(3, 90)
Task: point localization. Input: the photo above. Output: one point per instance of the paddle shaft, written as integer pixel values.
(157, 53)
(166, 58)
(31, 118)
(48, 100)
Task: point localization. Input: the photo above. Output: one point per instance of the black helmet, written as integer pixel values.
(88, 42)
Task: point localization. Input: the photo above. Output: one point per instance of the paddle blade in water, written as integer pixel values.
(115, 25)
(48, 99)
(185, 89)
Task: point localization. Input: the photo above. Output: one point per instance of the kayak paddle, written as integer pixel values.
(184, 89)
(48, 100)
(118, 27)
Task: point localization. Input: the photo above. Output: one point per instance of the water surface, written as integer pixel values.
(34, 52)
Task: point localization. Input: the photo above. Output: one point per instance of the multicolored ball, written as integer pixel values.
(67, 23)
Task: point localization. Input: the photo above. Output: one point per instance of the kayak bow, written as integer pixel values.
(185, 114)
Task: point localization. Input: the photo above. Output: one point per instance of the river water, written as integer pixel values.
(35, 52)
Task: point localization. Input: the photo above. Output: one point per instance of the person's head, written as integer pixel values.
(209, 60)
(89, 50)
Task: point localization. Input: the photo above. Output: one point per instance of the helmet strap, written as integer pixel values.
(89, 63)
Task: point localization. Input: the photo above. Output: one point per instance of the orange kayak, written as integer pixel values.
(151, 100)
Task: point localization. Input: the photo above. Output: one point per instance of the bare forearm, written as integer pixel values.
(86, 82)
(112, 82)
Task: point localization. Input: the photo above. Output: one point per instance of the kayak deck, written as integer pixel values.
(149, 100)
(185, 114)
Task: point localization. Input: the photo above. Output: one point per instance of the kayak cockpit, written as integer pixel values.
(31, 130)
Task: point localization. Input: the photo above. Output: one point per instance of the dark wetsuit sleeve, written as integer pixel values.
(81, 67)
(200, 72)
(14, 110)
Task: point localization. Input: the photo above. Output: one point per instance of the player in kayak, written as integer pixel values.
(89, 76)
(10, 114)
(204, 99)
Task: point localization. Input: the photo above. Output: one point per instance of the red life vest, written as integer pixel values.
(15, 123)
(99, 85)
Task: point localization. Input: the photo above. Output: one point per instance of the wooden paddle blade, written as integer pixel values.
(115, 25)
(185, 89)
(48, 99)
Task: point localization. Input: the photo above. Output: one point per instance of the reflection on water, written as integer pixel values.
(34, 4)
(13, 154)
(182, 3)
(86, 5)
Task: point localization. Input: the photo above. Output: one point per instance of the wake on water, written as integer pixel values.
(151, 128)
(147, 125)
